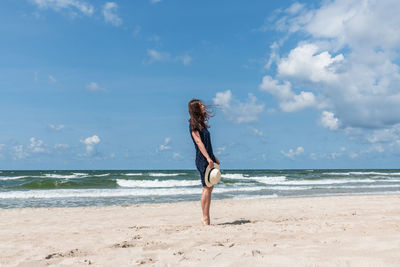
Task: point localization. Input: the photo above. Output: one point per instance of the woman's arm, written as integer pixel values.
(217, 160)
(197, 139)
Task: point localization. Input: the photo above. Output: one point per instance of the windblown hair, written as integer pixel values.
(198, 120)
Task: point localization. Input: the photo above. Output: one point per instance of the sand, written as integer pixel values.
(313, 231)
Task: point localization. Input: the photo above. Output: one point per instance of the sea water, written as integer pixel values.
(21, 189)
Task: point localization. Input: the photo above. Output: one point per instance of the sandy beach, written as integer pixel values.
(313, 231)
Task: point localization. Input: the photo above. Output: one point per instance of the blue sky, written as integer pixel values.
(105, 85)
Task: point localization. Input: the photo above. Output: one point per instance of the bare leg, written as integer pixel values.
(205, 204)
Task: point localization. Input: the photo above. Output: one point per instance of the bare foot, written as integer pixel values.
(205, 221)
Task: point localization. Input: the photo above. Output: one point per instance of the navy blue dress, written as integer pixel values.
(201, 161)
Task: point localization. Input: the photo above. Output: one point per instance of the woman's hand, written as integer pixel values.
(210, 163)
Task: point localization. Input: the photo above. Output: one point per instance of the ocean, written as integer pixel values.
(23, 189)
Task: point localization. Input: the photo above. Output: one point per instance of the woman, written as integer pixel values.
(199, 115)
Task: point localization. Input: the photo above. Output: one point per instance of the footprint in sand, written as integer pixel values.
(145, 261)
(124, 244)
(71, 253)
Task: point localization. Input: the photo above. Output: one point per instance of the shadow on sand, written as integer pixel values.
(237, 222)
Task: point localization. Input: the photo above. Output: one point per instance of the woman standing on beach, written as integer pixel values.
(199, 115)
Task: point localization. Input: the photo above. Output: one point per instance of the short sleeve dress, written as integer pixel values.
(201, 161)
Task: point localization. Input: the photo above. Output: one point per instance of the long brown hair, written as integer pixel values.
(198, 120)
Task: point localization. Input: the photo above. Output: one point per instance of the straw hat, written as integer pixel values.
(212, 176)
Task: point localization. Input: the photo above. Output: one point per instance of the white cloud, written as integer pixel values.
(155, 1)
(93, 86)
(57, 128)
(37, 146)
(110, 14)
(387, 135)
(160, 56)
(155, 55)
(236, 111)
(348, 55)
(292, 153)
(295, 8)
(307, 62)
(71, 5)
(288, 100)
(328, 120)
(90, 143)
(165, 146)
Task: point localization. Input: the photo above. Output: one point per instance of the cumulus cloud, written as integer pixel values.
(71, 5)
(292, 153)
(236, 111)
(306, 62)
(110, 14)
(165, 146)
(329, 121)
(288, 100)
(90, 143)
(347, 56)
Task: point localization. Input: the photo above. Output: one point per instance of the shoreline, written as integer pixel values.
(223, 199)
(350, 230)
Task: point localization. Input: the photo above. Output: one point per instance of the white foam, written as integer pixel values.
(80, 173)
(156, 183)
(156, 174)
(255, 196)
(376, 173)
(101, 175)
(134, 174)
(336, 173)
(135, 192)
(362, 173)
(91, 193)
(233, 175)
(289, 188)
(72, 176)
(313, 182)
(362, 186)
(269, 179)
(3, 178)
(238, 189)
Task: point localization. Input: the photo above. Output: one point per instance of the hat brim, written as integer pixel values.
(207, 174)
